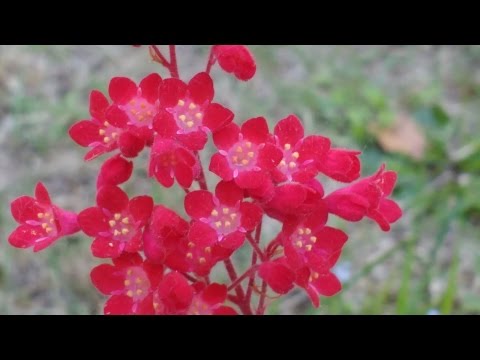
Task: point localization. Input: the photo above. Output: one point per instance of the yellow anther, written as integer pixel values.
(198, 115)
(125, 220)
(130, 293)
(138, 281)
(292, 165)
(248, 144)
(143, 105)
(181, 102)
(191, 244)
(214, 213)
(299, 243)
(48, 230)
(133, 111)
(149, 113)
(125, 231)
(126, 282)
(308, 231)
(139, 291)
(129, 272)
(315, 275)
(218, 224)
(233, 216)
(112, 223)
(47, 215)
(239, 149)
(296, 155)
(226, 210)
(300, 231)
(101, 132)
(106, 124)
(190, 124)
(283, 163)
(40, 215)
(116, 233)
(44, 225)
(132, 102)
(189, 255)
(227, 223)
(106, 139)
(117, 216)
(308, 247)
(251, 154)
(140, 118)
(51, 221)
(192, 106)
(202, 260)
(287, 146)
(313, 239)
(245, 161)
(208, 249)
(182, 117)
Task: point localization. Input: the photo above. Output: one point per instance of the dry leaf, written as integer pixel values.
(404, 136)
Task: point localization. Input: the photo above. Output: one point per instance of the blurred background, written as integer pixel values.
(413, 107)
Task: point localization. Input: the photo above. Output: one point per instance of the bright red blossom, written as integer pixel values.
(188, 113)
(236, 59)
(130, 282)
(42, 223)
(116, 222)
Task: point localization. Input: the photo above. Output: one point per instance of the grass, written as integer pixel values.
(429, 259)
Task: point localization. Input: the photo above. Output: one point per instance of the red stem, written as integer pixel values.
(201, 178)
(158, 56)
(256, 248)
(173, 61)
(246, 274)
(251, 281)
(242, 303)
(261, 302)
(211, 60)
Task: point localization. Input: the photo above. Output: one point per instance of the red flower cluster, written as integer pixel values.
(162, 262)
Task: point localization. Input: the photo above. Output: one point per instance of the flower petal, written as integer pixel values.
(98, 104)
(200, 88)
(141, 208)
(165, 125)
(114, 171)
(199, 204)
(25, 208)
(25, 236)
(108, 279)
(229, 193)
(251, 179)
(278, 276)
(122, 89)
(217, 116)
(256, 130)
(150, 86)
(84, 133)
(130, 145)
(251, 215)
(219, 166)
(289, 130)
(119, 305)
(225, 138)
(92, 221)
(112, 198)
(171, 90)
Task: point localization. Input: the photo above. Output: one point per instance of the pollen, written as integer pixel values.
(126, 282)
(198, 115)
(233, 216)
(101, 132)
(299, 244)
(106, 139)
(202, 260)
(182, 117)
(114, 135)
(190, 124)
(125, 220)
(208, 249)
(112, 223)
(106, 124)
(315, 275)
(116, 233)
(189, 255)
(292, 165)
(181, 102)
(192, 106)
(308, 247)
(300, 231)
(248, 144)
(313, 239)
(218, 224)
(40, 215)
(226, 211)
(239, 149)
(287, 146)
(139, 291)
(44, 225)
(130, 293)
(214, 213)
(228, 223)
(308, 231)
(138, 281)
(125, 231)
(251, 154)
(191, 244)
(296, 155)
(48, 230)
(117, 216)
(245, 162)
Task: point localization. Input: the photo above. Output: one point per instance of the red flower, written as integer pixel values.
(225, 213)
(114, 171)
(169, 160)
(367, 197)
(98, 133)
(41, 222)
(130, 282)
(116, 223)
(173, 296)
(188, 112)
(165, 231)
(341, 165)
(208, 300)
(278, 275)
(300, 154)
(138, 104)
(236, 59)
(245, 154)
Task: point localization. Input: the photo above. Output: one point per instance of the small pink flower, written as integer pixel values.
(42, 223)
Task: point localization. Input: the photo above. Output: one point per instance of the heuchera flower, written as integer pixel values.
(228, 217)
(188, 112)
(41, 222)
(114, 171)
(246, 154)
(116, 222)
(236, 59)
(130, 282)
(169, 160)
(341, 164)
(138, 104)
(209, 300)
(367, 197)
(97, 133)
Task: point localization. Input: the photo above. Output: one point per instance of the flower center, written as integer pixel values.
(243, 156)
(109, 133)
(289, 163)
(136, 283)
(139, 111)
(198, 307)
(198, 254)
(188, 116)
(122, 227)
(47, 222)
(225, 220)
(303, 239)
